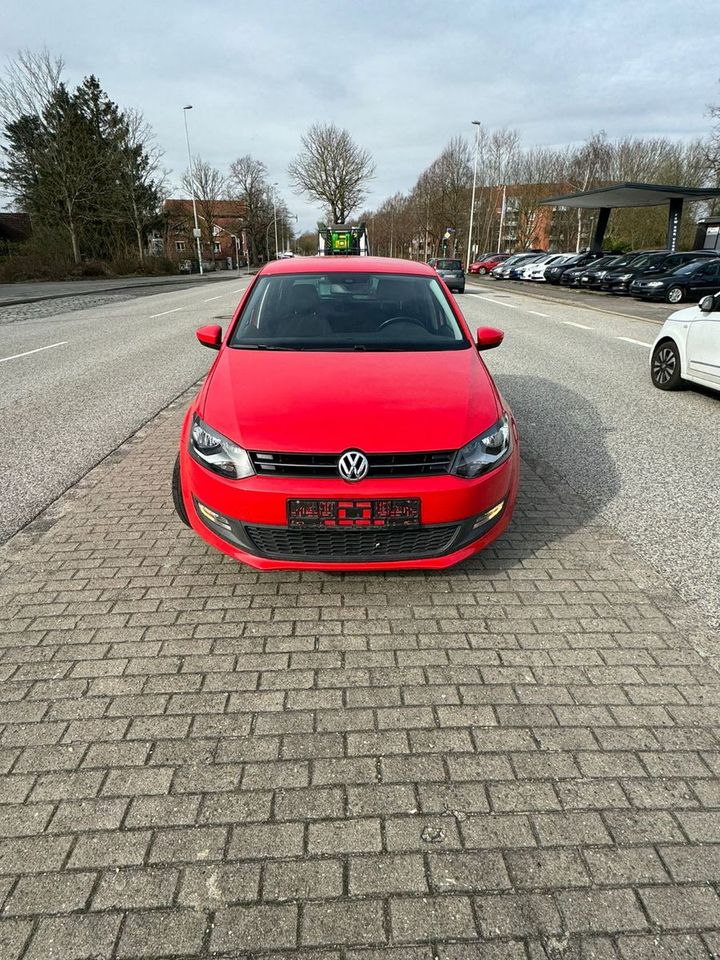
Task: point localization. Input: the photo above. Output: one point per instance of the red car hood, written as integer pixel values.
(327, 402)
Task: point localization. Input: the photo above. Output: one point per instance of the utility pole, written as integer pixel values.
(502, 220)
(275, 219)
(427, 226)
(196, 231)
(476, 124)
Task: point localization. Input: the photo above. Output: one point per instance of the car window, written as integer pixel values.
(347, 311)
(449, 265)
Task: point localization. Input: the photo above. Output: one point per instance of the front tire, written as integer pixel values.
(482, 271)
(675, 295)
(665, 366)
(177, 493)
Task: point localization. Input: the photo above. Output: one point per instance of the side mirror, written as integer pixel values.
(488, 338)
(707, 304)
(210, 336)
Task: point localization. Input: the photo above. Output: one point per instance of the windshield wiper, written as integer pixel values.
(263, 346)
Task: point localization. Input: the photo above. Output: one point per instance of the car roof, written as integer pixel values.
(339, 264)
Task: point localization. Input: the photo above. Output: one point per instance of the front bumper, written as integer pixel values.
(256, 532)
(647, 293)
(615, 286)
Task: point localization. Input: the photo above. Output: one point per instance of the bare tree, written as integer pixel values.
(332, 169)
(28, 84)
(208, 186)
(248, 183)
(144, 181)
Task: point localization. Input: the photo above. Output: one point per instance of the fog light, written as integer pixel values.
(217, 518)
(488, 515)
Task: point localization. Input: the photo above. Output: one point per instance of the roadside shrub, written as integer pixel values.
(90, 269)
(30, 264)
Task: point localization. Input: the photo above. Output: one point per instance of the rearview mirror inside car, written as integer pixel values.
(489, 337)
(707, 304)
(210, 336)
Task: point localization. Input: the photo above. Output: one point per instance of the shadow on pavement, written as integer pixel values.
(549, 417)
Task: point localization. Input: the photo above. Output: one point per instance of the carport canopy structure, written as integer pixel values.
(606, 199)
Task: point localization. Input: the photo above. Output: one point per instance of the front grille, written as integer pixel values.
(313, 465)
(358, 545)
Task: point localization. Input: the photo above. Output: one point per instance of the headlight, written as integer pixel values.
(485, 452)
(624, 276)
(654, 283)
(217, 453)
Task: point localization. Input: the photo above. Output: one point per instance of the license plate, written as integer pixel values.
(353, 513)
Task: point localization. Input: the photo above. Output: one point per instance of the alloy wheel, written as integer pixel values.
(664, 365)
(675, 295)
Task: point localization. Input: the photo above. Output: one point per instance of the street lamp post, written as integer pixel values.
(192, 190)
(275, 219)
(476, 124)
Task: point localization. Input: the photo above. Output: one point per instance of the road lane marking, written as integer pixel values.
(513, 306)
(36, 350)
(238, 291)
(640, 343)
(212, 298)
(538, 314)
(165, 313)
(580, 326)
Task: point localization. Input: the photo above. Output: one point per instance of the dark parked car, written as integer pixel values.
(554, 272)
(592, 274)
(452, 273)
(618, 279)
(691, 281)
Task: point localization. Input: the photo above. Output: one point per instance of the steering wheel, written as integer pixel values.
(401, 319)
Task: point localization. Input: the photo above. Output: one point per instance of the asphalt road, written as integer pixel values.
(648, 462)
(30, 291)
(74, 384)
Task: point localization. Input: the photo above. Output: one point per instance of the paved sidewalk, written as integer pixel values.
(518, 758)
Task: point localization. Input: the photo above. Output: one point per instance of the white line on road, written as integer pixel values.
(238, 291)
(538, 314)
(581, 326)
(165, 313)
(513, 306)
(640, 343)
(37, 350)
(212, 298)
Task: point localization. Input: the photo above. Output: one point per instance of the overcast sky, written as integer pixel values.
(402, 76)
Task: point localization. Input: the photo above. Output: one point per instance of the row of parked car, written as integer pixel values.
(644, 274)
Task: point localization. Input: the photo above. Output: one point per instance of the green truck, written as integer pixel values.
(342, 240)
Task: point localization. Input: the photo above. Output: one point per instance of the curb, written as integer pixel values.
(30, 532)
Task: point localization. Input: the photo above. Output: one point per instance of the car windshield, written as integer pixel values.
(449, 265)
(626, 260)
(690, 267)
(347, 311)
(648, 260)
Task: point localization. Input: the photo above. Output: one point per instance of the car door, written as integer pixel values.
(705, 280)
(703, 345)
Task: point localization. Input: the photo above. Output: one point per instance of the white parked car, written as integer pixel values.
(688, 347)
(536, 269)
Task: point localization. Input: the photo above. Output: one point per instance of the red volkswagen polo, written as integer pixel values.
(348, 423)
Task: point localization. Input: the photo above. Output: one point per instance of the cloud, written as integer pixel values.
(402, 77)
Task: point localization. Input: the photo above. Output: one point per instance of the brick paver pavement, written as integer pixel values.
(518, 758)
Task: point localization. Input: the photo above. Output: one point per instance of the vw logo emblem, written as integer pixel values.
(353, 466)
